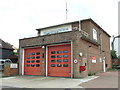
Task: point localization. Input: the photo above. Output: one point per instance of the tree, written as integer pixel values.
(113, 54)
(119, 57)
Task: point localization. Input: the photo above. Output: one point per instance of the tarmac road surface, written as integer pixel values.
(105, 80)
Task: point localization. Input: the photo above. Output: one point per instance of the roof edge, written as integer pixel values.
(56, 25)
(89, 19)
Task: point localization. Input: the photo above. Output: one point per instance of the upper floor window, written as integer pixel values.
(94, 34)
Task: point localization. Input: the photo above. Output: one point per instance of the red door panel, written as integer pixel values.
(59, 60)
(32, 61)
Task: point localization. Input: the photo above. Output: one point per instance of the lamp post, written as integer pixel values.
(113, 41)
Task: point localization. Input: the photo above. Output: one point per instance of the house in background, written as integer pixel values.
(6, 51)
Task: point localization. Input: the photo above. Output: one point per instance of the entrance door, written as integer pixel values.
(59, 60)
(32, 61)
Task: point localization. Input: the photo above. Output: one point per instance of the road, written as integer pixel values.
(105, 80)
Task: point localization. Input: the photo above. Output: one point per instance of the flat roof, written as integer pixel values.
(56, 25)
(39, 29)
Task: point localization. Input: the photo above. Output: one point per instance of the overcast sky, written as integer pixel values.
(20, 18)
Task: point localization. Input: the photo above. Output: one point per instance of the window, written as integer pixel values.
(53, 52)
(53, 61)
(59, 56)
(38, 53)
(65, 65)
(37, 65)
(59, 52)
(33, 57)
(59, 60)
(52, 65)
(28, 65)
(28, 54)
(32, 65)
(65, 51)
(94, 34)
(32, 61)
(65, 60)
(59, 65)
(28, 61)
(53, 57)
(37, 61)
(65, 56)
(33, 53)
(28, 57)
(37, 57)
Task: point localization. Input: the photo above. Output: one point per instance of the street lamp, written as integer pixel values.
(113, 41)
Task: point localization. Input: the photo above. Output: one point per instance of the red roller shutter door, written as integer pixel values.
(59, 60)
(32, 61)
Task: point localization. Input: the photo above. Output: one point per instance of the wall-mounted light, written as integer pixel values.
(43, 46)
(81, 54)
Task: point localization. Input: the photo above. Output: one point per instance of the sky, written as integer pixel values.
(20, 18)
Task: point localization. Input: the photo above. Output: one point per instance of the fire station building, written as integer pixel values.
(72, 49)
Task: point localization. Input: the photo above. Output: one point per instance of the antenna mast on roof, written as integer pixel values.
(66, 10)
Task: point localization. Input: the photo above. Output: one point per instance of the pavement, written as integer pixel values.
(105, 80)
(42, 82)
(101, 80)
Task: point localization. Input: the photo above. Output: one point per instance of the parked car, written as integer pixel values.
(3, 61)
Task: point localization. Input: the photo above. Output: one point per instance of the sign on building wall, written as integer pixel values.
(13, 65)
(93, 59)
(59, 29)
(100, 59)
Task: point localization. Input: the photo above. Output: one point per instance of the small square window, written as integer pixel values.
(28, 61)
(59, 56)
(53, 52)
(32, 57)
(65, 56)
(53, 61)
(59, 60)
(28, 65)
(65, 60)
(65, 51)
(37, 57)
(65, 65)
(33, 53)
(53, 57)
(28, 57)
(28, 54)
(37, 65)
(32, 65)
(52, 65)
(37, 61)
(38, 53)
(32, 61)
(59, 52)
(59, 65)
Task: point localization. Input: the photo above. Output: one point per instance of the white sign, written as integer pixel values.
(93, 59)
(100, 59)
(13, 65)
(57, 29)
(75, 61)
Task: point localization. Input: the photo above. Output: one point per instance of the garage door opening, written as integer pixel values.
(59, 60)
(32, 61)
